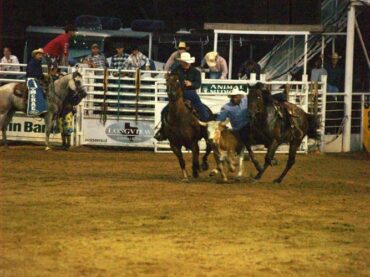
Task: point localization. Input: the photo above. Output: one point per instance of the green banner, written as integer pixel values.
(222, 88)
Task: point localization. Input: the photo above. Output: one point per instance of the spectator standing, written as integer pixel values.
(120, 58)
(96, 59)
(249, 67)
(335, 74)
(216, 64)
(318, 71)
(137, 60)
(56, 51)
(172, 62)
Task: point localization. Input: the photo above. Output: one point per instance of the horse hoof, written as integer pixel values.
(213, 173)
(222, 181)
(47, 148)
(185, 180)
(277, 181)
(274, 162)
(205, 166)
(195, 174)
(238, 179)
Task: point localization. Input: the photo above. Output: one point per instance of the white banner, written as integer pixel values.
(28, 129)
(118, 133)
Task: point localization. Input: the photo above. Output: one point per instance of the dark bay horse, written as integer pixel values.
(270, 125)
(181, 127)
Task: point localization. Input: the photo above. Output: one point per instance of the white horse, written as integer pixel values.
(56, 92)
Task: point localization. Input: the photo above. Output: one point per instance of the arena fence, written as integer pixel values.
(123, 108)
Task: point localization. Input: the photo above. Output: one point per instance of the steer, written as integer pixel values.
(227, 146)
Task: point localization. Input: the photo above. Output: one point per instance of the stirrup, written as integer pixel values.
(159, 136)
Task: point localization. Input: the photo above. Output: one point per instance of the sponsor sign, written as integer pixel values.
(222, 88)
(118, 133)
(28, 129)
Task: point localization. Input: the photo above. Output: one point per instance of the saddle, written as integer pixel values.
(191, 108)
(290, 108)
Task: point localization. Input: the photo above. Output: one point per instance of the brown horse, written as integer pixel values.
(181, 127)
(271, 125)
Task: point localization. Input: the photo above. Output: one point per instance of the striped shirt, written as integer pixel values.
(136, 61)
(118, 61)
(98, 61)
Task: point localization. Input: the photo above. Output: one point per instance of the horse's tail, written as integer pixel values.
(313, 126)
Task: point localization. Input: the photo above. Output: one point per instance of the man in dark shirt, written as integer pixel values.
(34, 69)
(36, 101)
(335, 74)
(191, 80)
(249, 67)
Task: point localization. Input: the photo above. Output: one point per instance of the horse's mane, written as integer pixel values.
(266, 94)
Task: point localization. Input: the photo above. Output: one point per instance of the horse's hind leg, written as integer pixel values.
(205, 165)
(268, 158)
(291, 160)
(4, 121)
(177, 151)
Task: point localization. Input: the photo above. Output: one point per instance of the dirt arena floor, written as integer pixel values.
(94, 212)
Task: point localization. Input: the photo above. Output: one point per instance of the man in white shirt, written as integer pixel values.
(9, 58)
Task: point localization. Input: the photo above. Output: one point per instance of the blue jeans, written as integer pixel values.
(195, 101)
(214, 75)
(36, 101)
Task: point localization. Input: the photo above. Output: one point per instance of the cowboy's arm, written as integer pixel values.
(196, 80)
(224, 69)
(222, 115)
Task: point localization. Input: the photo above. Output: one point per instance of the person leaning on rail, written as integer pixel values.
(217, 65)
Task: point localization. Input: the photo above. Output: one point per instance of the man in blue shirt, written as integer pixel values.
(236, 110)
(36, 101)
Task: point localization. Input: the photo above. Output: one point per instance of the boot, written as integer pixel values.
(159, 135)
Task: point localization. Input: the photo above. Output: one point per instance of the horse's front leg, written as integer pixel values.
(253, 158)
(268, 158)
(291, 160)
(177, 151)
(195, 166)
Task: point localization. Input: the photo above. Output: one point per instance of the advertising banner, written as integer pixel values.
(118, 133)
(31, 129)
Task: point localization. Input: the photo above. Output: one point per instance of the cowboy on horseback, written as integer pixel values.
(190, 80)
(34, 76)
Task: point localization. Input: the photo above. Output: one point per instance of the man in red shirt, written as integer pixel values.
(57, 49)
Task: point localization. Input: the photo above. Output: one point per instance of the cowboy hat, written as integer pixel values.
(236, 91)
(335, 56)
(182, 45)
(211, 58)
(37, 51)
(186, 57)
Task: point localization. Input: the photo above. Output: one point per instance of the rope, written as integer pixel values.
(340, 131)
(118, 92)
(137, 89)
(103, 115)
